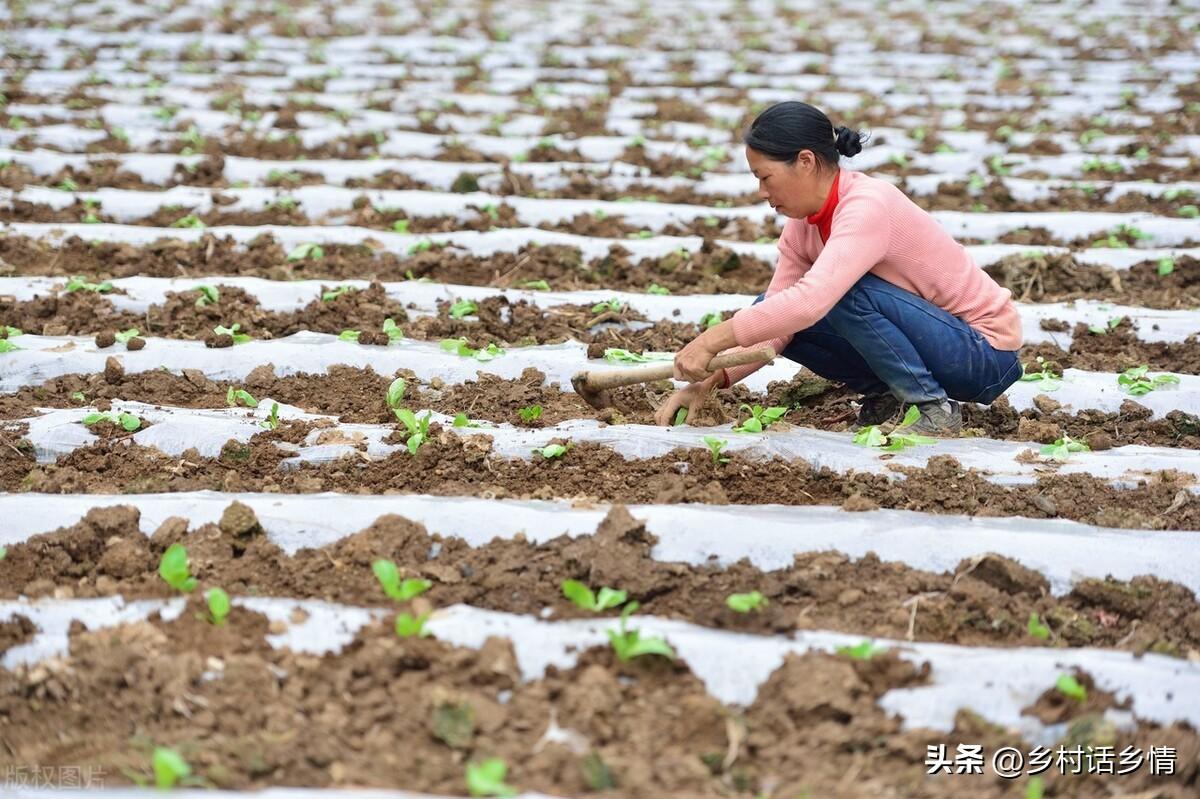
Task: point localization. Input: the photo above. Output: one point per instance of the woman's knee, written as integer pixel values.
(1011, 375)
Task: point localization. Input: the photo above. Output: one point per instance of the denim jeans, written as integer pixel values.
(880, 338)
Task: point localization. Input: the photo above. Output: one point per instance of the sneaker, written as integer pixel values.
(938, 418)
(876, 409)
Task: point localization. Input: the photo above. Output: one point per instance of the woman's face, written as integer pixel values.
(791, 189)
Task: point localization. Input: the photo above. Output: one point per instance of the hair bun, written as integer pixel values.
(848, 142)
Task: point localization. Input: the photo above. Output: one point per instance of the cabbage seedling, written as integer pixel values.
(487, 778)
(11, 332)
(715, 445)
(587, 599)
(760, 418)
(657, 289)
(333, 294)
(218, 605)
(1165, 266)
(1071, 688)
(400, 226)
(629, 644)
(1111, 324)
(1061, 449)
(863, 651)
(410, 626)
(898, 439)
(7, 346)
(1046, 375)
(349, 335)
(614, 305)
(189, 221)
(3, 553)
(462, 308)
(460, 347)
(745, 603)
(1137, 382)
(124, 336)
(418, 429)
(390, 329)
(239, 396)
(530, 414)
(462, 420)
(395, 392)
(272, 420)
(79, 283)
(208, 295)
(680, 417)
(711, 319)
(169, 768)
(313, 252)
(1037, 628)
(173, 568)
(552, 451)
(128, 421)
(399, 590)
(536, 285)
(617, 355)
(232, 332)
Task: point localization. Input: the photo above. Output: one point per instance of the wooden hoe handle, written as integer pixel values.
(599, 381)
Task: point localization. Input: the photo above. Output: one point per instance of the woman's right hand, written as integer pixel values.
(692, 397)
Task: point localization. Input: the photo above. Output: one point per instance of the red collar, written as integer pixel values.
(823, 219)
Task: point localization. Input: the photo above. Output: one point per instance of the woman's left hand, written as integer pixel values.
(691, 362)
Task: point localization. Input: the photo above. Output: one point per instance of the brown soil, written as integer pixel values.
(986, 601)
(390, 704)
(1058, 278)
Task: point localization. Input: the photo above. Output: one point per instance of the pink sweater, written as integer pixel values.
(875, 228)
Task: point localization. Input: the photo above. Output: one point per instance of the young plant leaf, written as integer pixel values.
(530, 414)
(552, 451)
(173, 568)
(410, 626)
(487, 778)
(715, 445)
(239, 396)
(218, 605)
(1036, 628)
(1071, 688)
(169, 768)
(863, 651)
(462, 308)
(395, 392)
(124, 336)
(399, 590)
(744, 603)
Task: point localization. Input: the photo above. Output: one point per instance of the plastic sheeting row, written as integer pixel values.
(768, 536)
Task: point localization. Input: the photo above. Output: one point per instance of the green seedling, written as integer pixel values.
(462, 308)
(333, 294)
(1071, 688)
(349, 335)
(1036, 789)
(715, 445)
(127, 421)
(399, 590)
(67, 185)
(863, 651)
(208, 295)
(462, 420)
(1102, 330)
(173, 568)
(1165, 266)
(711, 319)
(1138, 382)
(189, 221)
(218, 605)
(232, 332)
(609, 306)
(760, 418)
(680, 417)
(418, 429)
(391, 330)
(629, 643)
(239, 396)
(616, 355)
(641, 234)
(460, 347)
(585, 598)
(1061, 449)
(552, 451)
(3, 553)
(169, 768)
(284, 203)
(78, 396)
(530, 414)
(657, 289)
(536, 285)
(313, 252)
(272, 420)
(1037, 628)
(745, 603)
(1188, 211)
(79, 283)
(7, 346)
(1046, 375)
(395, 392)
(898, 439)
(487, 778)
(11, 332)
(400, 226)
(125, 335)
(410, 626)
(424, 245)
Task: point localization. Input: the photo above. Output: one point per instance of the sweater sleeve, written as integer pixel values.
(859, 240)
(789, 267)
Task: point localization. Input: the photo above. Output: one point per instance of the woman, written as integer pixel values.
(868, 291)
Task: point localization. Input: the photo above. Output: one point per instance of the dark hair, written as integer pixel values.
(784, 129)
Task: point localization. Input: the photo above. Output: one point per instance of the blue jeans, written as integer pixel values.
(880, 338)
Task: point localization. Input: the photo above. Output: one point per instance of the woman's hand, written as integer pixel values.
(691, 362)
(691, 397)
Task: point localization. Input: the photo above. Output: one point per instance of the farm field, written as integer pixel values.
(296, 495)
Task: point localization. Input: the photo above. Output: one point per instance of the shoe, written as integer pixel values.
(938, 418)
(876, 409)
